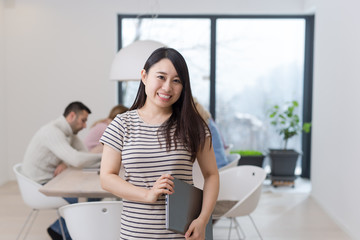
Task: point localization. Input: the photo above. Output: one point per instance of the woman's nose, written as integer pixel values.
(167, 85)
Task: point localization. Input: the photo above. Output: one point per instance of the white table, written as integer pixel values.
(77, 183)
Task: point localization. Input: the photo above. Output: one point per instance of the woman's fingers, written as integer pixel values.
(165, 184)
(165, 177)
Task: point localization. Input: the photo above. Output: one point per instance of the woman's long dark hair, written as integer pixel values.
(190, 128)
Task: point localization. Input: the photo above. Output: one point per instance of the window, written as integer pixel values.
(191, 37)
(239, 67)
(259, 63)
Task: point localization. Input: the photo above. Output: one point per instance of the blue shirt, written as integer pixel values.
(218, 145)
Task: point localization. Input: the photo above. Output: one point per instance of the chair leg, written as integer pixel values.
(241, 236)
(257, 230)
(231, 220)
(61, 225)
(229, 234)
(26, 226)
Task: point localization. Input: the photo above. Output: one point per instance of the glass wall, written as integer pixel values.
(259, 62)
(191, 37)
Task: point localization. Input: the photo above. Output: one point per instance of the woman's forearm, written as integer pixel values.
(119, 187)
(210, 195)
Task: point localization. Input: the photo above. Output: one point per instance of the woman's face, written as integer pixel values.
(162, 84)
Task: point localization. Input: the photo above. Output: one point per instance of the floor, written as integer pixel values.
(283, 213)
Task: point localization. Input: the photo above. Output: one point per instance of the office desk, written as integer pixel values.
(77, 183)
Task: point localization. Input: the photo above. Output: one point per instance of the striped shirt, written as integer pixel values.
(145, 159)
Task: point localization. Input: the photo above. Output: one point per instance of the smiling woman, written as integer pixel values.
(163, 88)
(156, 141)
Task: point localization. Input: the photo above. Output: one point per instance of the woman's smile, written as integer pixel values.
(164, 96)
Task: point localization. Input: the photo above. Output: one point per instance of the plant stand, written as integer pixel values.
(283, 181)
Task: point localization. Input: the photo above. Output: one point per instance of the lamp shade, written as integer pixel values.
(130, 60)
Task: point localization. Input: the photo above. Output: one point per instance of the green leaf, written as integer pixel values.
(306, 127)
(287, 121)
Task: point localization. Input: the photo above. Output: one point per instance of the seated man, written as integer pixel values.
(56, 146)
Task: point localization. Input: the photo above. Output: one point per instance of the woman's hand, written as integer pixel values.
(196, 230)
(163, 185)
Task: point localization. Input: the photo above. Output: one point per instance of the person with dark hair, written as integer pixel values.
(75, 107)
(56, 146)
(97, 129)
(158, 139)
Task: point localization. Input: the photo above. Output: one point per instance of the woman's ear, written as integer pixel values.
(143, 76)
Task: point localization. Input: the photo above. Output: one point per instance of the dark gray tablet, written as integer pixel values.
(183, 206)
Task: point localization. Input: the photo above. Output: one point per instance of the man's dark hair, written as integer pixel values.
(75, 107)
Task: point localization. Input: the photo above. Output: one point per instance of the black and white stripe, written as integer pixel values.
(145, 159)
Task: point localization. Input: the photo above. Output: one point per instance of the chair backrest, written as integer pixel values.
(30, 194)
(93, 220)
(197, 174)
(242, 184)
(233, 159)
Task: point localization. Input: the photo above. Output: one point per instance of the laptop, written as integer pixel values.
(183, 206)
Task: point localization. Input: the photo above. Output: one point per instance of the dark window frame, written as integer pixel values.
(308, 66)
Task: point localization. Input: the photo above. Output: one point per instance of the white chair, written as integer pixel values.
(30, 194)
(197, 175)
(198, 178)
(93, 220)
(233, 159)
(240, 190)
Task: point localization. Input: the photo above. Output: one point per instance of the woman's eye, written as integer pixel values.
(177, 80)
(161, 77)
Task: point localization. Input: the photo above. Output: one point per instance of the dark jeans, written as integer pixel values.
(56, 225)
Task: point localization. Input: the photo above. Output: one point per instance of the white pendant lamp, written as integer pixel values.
(130, 60)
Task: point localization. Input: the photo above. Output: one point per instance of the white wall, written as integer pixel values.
(310, 6)
(336, 115)
(3, 147)
(60, 51)
(54, 52)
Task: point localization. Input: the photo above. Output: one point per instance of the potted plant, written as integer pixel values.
(287, 123)
(250, 157)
